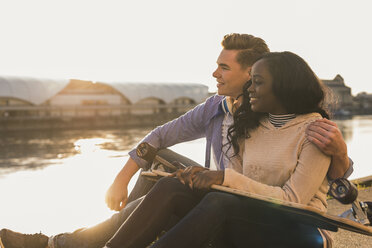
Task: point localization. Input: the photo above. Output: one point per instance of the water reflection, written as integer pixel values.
(56, 181)
(346, 129)
(357, 133)
(37, 149)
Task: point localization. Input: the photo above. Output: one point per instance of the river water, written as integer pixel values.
(56, 181)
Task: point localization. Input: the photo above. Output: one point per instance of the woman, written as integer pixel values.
(271, 156)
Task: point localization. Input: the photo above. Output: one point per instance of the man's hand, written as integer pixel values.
(328, 138)
(116, 196)
(326, 135)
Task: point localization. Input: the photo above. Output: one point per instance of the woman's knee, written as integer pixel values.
(220, 201)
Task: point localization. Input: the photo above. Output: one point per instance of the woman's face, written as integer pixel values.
(261, 95)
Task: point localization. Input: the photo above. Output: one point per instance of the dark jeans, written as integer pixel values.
(98, 235)
(230, 218)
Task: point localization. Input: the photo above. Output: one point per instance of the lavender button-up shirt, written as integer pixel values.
(205, 120)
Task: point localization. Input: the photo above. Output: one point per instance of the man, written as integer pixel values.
(211, 120)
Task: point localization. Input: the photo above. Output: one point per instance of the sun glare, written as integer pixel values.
(89, 145)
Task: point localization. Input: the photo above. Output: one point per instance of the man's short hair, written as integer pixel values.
(250, 47)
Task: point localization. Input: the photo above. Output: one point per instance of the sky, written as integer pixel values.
(178, 41)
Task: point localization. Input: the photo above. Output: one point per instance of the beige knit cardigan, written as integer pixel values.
(282, 163)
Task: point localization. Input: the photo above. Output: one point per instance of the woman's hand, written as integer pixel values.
(204, 179)
(187, 175)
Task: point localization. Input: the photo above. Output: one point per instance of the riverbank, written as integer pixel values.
(83, 123)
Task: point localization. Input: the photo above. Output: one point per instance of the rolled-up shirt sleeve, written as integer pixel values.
(189, 126)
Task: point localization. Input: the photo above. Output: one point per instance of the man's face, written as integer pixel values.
(229, 74)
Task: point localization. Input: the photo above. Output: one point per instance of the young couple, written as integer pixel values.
(267, 136)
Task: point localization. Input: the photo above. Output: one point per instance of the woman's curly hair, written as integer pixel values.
(294, 84)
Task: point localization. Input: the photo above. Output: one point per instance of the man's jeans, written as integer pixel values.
(97, 236)
(235, 220)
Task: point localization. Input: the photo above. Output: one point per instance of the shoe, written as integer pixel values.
(10, 239)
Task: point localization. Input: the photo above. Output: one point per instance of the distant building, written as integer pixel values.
(341, 97)
(70, 102)
(364, 103)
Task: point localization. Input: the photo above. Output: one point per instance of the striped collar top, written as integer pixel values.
(280, 120)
